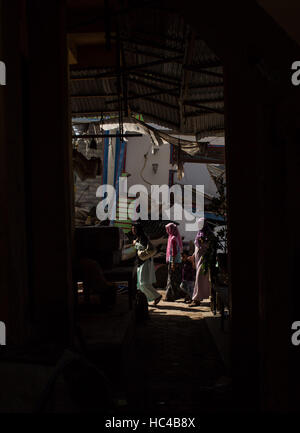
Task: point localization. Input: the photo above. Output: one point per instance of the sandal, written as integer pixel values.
(157, 300)
(194, 304)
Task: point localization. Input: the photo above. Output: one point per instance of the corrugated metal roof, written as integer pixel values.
(146, 40)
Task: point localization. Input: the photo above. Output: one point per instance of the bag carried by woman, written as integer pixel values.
(148, 252)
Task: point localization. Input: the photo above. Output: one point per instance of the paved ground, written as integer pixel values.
(177, 367)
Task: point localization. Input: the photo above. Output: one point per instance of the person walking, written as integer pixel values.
(173, 258)
(188, 275)
(202, 287)
(145, 268)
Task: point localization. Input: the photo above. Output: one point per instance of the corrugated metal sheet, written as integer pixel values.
(146, 38)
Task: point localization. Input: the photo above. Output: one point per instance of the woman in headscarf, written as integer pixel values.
(173, 258)
(201, 288)
(145, 268)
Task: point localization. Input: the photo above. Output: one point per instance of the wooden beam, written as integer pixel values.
(90, 96)
(172, 91)
(154, 63)
(119, 80)
(195, 68)
(202, 107)
(124, 80)
(216, 63)
(152, 44)
(157, 36)
(152, 86)
(149, 75)
(205, 64)
(115, 72)
(189, 48)
(157, 101)
(200, 101)
(206, 86)
(199, 113)
(108, 76)
(155, 118)
(126, 135)
(149, 54)
(145, 95)
(165, 79)
(159, 78)
(94, 113)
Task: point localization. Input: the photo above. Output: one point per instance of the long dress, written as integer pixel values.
(174, 281)
(174, 291)
(146, 277)
(202, 287)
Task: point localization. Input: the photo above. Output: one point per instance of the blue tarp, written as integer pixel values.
(213, 217)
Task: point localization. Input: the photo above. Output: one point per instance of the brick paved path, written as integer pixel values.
(176, 362)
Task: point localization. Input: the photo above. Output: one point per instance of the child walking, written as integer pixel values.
(188, 275)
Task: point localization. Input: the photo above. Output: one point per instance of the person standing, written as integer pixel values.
(145, 268)
(202, 287)
(188, 275)
(173, 258)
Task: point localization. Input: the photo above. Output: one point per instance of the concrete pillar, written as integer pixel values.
(14, 302)
(49, 168)
(36, 296)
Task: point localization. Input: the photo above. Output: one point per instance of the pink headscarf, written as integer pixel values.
(174, 234)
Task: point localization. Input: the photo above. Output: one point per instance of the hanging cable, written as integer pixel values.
(145, 162)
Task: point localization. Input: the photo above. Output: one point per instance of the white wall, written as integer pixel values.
(194, 174)
(197, 174)
(136, 149)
